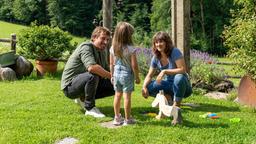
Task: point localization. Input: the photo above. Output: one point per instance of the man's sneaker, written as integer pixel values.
(79, 102)
(129, 122)
(95, 112)
(118, 120)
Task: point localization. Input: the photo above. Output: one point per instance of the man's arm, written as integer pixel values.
(98, 70)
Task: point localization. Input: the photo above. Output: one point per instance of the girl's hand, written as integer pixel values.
(160, 76)
(137, 80)
(145, 92)
(112, 80)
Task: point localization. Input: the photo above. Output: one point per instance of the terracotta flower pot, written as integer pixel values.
(247, 91)
(43, 67)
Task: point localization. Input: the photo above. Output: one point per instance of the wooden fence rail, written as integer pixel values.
(11, 40)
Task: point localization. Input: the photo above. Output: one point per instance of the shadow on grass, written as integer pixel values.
(204, 107)
(140, 114)
(34, 76)
(207, 124)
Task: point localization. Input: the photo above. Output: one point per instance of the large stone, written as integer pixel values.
(109, 124)
(7, 74)
(217, 95)
(224, 86)
(23, 67)
(67, 140)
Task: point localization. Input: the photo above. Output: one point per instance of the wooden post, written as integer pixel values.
(107, 14)
(181, 28)
(13, 42)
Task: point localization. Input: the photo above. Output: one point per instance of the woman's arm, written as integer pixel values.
(181, 68)
(147, 81)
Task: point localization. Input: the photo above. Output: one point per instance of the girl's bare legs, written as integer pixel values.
(117, 102)
(127, 105)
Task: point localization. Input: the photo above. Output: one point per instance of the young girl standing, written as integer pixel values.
(124, 69)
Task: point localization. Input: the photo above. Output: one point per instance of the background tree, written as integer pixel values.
(160, 18)
(27, 11)
(6, 10)
(208, 20)
(75, 16)
(241, 34)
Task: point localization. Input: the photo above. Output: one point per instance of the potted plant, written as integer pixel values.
(240, 37)
(45, 44)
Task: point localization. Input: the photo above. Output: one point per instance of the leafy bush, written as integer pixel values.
(204, 68)
(240, 37)
(44, 42)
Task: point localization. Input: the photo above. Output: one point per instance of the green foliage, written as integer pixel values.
(207, 73)
(240, 37)
(204, 68)
(199, 44)
(30, 10)
(208, 18)
(142, 39)
(75, 16)
(160, 18)
(138, 15)
(44, 42)
(6, 9)
(232, 95)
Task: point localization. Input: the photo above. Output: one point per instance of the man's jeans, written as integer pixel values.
(90, 87)
(178, 89)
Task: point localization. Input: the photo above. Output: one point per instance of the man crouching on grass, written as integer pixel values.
(86, 75)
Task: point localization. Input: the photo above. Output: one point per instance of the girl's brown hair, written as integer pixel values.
(122, 37)
(162, 36)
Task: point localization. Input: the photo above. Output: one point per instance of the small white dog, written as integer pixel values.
(165, 109)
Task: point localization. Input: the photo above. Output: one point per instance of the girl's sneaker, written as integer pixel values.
(118, 120)
(129, 122)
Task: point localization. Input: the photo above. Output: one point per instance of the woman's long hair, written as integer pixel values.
(162, 36)
(122, 37)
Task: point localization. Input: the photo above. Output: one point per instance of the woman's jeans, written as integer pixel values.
(180, 87)
(90, 87)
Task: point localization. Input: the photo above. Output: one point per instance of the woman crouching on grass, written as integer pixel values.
(172, 79)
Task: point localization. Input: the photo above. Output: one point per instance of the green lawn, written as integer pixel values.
(34, 111)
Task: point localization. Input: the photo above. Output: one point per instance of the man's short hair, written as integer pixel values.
(98, 30)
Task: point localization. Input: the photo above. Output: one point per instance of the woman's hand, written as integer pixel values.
(160, 76)
(145, 92)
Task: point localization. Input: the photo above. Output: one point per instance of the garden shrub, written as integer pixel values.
(204, 68)
(240, 37)
(44, 42)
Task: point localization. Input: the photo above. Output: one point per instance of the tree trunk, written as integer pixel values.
(202, 17)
